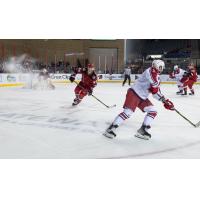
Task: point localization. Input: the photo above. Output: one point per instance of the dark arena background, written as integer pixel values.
(108, 56)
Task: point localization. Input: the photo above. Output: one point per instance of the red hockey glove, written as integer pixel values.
(168, 104)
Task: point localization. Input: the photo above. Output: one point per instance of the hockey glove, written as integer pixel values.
(90, 92)
(168, 104)
(72, 78)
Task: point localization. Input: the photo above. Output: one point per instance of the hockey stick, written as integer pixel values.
(195, 125)
(103, 103)
(97, 98)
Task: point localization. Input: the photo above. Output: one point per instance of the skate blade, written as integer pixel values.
(142, 137)
(110, 136)
(75, 104)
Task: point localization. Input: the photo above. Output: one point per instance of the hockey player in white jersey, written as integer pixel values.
(137, 96)
(178, 74)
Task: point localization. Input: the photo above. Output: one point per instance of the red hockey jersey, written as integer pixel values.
(88, 81)
(193, 75)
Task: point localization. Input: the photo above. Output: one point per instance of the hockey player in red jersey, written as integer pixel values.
(190, 77)
(87, 83)
(137, 97)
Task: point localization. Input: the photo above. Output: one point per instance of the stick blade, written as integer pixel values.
(112, 106)
(197, 125)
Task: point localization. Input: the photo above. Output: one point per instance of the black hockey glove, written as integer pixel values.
(90, 92)
(186, 74)
(72, 78)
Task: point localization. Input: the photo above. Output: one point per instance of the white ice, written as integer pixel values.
(43, 124)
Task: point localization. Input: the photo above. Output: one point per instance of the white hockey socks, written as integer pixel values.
(151, 114)
(122, 116)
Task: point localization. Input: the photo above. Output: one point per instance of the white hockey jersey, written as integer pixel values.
(178, 75)
(148, 82)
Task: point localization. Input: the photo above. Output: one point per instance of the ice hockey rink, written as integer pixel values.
(43, 124)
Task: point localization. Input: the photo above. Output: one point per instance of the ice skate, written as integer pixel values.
(51, 87)
(191, 92)
(109, 132)
(185, 93)
(179, 92)
(76, 102)
(142, 133)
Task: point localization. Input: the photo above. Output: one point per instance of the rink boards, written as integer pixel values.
(9, 80)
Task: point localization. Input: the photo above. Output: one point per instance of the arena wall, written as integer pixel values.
(51, 50)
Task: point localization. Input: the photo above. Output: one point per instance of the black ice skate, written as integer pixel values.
(191, 93)
(142, 133)
(185, 93)
(109, 132)
(179, 92)
(76, 102)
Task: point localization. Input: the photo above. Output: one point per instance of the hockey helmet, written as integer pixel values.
(159, 65)
(90, 68)
(44, 70)
(176, 67)
(191, 66)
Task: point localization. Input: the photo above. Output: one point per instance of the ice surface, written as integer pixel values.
(43, 124)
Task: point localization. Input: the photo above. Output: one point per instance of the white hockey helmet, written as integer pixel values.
(159, 65)
(44, 70)
(175, 67)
